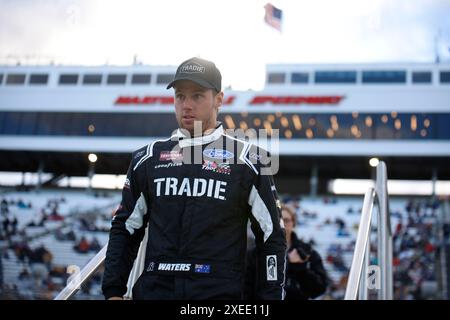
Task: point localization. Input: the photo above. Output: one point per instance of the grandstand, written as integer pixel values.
(36, 254)
(331, 119)
(332, 224)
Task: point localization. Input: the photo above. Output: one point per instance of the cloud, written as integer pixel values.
(232, 32)
(28, 28)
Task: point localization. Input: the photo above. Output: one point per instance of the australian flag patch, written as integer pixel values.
(202, 268)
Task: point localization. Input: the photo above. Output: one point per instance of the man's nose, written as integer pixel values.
(187, 104)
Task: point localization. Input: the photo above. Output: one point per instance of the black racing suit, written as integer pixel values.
(197, 195)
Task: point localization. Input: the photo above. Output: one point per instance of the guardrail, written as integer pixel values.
(357, 285)
(78, 278)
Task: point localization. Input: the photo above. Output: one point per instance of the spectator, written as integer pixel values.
(306, 277)
(14, 224)
(4, 207)
(95, 245)
(82, 246)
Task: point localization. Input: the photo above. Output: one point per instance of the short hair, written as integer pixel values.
(290, 210)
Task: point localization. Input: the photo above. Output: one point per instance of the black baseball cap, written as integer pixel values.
(200, 71)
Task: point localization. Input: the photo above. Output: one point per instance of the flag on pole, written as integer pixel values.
(273, 16)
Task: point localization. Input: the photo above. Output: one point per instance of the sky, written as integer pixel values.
(231, 33)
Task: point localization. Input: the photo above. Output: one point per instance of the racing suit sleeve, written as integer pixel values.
(269, 236)
(127, 231)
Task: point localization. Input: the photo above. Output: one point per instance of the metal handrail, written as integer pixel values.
(385, 253)
(360, 246)
(79, 278)
(360, 263)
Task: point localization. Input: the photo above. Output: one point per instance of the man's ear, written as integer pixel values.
(218, 100)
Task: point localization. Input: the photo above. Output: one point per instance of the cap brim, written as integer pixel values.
(200, 82)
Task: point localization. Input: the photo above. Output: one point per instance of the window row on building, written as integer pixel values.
(353, 77)
(14, 79)
(317, 77)
(287, 125)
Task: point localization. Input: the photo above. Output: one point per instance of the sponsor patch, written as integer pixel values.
(127, 183)
(202, 268)
(168, 165)
(218, 153)
(271, 267)
(151, 266)
(139, 154)
(223, 167)
(197, 187)
(170, 156)
(192, 68)
(182, 267)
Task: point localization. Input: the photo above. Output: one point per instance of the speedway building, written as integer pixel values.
(331, 119)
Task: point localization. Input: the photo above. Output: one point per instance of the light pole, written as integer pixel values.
(92, 157)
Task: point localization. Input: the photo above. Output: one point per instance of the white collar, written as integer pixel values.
(185, 142)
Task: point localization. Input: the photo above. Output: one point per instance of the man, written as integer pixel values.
(196, 191)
